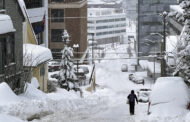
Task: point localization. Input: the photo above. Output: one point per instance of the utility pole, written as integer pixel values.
(92, 48)
(163, 62)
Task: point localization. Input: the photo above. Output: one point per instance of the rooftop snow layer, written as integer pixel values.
(35, 54)
(6, 24)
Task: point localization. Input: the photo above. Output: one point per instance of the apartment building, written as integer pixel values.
(150, 21)
(106, 25)
(38, 14)
(72, 16)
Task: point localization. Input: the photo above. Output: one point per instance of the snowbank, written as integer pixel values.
(34, 93)
(35, 54)
(157, 69)
(169, 97)
(8, 118)
(7, 95)
(6, 24)
(143, 64)
(35, 82)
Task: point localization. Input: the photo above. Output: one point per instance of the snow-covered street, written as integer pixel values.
(108, 102)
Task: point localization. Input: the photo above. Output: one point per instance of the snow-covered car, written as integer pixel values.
(56, 76)
(124, 68)
(136, 79)
(53, 66)
(169, 97)
(143, 95)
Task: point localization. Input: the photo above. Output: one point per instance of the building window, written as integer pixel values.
(57, 0)
(33, 3)
(2, 54)
(7, 50)
(57, 15)
(38, 29)
(56, 35)
(2, 4)
(10, 48)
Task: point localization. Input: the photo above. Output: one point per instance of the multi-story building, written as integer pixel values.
(106, 25)
(11, 43)
(105, 4)
(149, 21)
(72, 16)
(38, 14)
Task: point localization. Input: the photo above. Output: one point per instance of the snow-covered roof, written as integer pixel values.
(6, 94)
(176, 8)
(6, 24)
(34, 55)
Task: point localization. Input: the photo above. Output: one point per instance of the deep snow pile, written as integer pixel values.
(169, 97)
(7, 95)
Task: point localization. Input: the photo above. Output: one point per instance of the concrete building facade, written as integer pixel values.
(72, 16)
(149, 21)
(108, 25)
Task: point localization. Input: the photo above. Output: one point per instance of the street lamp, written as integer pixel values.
(77, 47)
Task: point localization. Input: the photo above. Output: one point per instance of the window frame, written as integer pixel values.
(33, 4)
(57, 15)
(56, 36)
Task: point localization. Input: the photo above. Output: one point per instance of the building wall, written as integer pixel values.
(13, 10)
(42, 79)
(149, 21)
(106, 25)
(75, 22)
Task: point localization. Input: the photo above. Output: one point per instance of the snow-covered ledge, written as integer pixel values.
(6, 24)
(34, 55)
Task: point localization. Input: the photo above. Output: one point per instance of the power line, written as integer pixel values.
(77, 17)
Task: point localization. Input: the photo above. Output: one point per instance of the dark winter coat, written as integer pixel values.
(132, 97)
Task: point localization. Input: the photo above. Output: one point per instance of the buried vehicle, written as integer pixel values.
(143, 95)
(136, 79)
(169, 97)
(124, 68)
